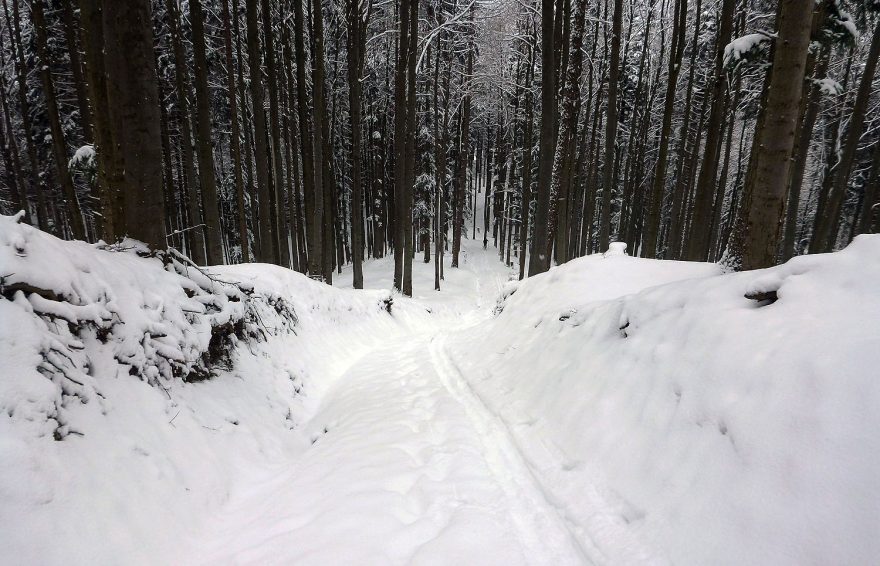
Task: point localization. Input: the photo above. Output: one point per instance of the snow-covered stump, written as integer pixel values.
(71, 306)
(616, 249)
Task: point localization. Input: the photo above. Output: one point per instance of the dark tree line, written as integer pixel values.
(315, 134)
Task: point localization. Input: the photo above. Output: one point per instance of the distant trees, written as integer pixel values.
(828, 216)
(316, 135)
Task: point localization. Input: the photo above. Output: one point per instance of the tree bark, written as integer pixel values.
(539, 261)
(110, 172)
(356, 27)
(802, 152)
(567, 127)
(400, 124)
(697, 246)
(59, 145)
(322, 154)
(610, 128)
(195, 234)
(775, 138)
(25, 107)
(204, 146)
(655, 202)
(463, 154)
(277, 217)
(237, 171)
(76, 69)
(133, 105)
(267, 251)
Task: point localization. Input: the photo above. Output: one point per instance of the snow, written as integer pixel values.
(147, 459)
(686, 422)
(614, 410)
(84, 156)
(616, 248)
(741, 47)
(829, 86)
(849, 25)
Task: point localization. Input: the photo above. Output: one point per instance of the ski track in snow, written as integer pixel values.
(539, 524)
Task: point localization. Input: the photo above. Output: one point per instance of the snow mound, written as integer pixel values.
(70, 306)
(677, 414)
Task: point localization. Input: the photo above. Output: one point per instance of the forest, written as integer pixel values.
(313, 135)
(469, 282)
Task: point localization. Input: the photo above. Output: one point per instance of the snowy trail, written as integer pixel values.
(538, 521)
(404, 469)
(406, 466)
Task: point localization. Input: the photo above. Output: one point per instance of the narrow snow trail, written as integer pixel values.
(406, 466)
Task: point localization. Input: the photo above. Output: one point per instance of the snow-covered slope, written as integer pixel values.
(690, 424)
(111, 449)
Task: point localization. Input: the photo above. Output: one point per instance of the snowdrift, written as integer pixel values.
(717, 419)
(136, 391)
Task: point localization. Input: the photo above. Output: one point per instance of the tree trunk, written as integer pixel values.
(356, 26)
(411, 125)
(110, 171)
(267, 251)
(76, 69)
(277, 217)
(869, 217)
(697, 245)
(610, 129)
(133, 105)
(13, 158)
(59, 145)
(567, 126)
(463, 155)
(25, 107)
(655, 202)
(802, 152)
(204, 143)
(231, 87)
(540, 259)
(195, 234)
(313, 194)
(775, 138)
(527, 166)
(322, 150)
(400, 119)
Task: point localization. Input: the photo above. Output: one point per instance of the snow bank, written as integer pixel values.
(672, 419)
(138, 393)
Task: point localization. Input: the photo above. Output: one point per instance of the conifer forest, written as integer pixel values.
(440, 282)
(314, 135)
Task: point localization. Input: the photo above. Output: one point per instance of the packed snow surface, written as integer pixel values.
(611, 411)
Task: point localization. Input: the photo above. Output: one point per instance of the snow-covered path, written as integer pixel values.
(406, 466)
